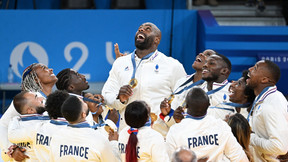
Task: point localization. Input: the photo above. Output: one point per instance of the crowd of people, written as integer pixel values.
(149, 110)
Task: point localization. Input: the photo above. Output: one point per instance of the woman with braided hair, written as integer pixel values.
(36, 77)
(138, 141)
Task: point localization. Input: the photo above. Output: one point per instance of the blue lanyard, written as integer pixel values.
(37, 117)
(188, 87)
(43, 94)
(148, 123)
(194, 117)
(90, 100)
(221, 108)
(80, 125)
(134, 62)
(118, 122)
(96, 126)
(86, 99)
(56, 122)
(255, 101)
(237, 105)
(216, 90)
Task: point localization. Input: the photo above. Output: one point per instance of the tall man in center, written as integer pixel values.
(146, 74)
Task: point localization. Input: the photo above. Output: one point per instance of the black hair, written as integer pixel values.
(274, 70)
(71, 108)
(19, 101)
(54, 102)
(197, 102)
(136, 114)
(226, 61)
(63, 79)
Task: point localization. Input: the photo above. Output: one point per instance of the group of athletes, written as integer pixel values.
(149, 110)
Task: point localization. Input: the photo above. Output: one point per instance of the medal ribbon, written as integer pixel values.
(217, 89)
(134, 62)
(34, 117)
(237, 105)
(43, 94)
(80, 125)
(188, 87)
(58, 122)
(194, 117)
(265, 92)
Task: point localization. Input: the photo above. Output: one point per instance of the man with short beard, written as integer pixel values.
(182, 87)
(269, 119)
(146, 74)
(31, 107)
(216, 72)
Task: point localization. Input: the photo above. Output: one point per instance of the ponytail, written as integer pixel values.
(131, 150)
(136, 115)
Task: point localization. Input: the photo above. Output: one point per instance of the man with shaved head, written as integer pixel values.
(145, 74)
(269, 120)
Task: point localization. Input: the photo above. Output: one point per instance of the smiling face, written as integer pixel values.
(237, 91)
(256, 74)
(201, 59)
(45, 75)
(145, 36)
(212, 68)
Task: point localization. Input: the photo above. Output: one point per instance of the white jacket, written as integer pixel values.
(207, 137)
(156, 78)
(150, 146)
(217, 108)
(270, 124)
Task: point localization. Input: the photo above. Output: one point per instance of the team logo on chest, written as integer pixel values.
(156, 68)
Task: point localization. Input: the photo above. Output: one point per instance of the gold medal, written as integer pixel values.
(108, 128)
(171, 98)
(153, 117)
(133, 83)
(109, 108)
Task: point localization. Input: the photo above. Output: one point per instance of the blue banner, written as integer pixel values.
(281, 59)
(84, 39)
